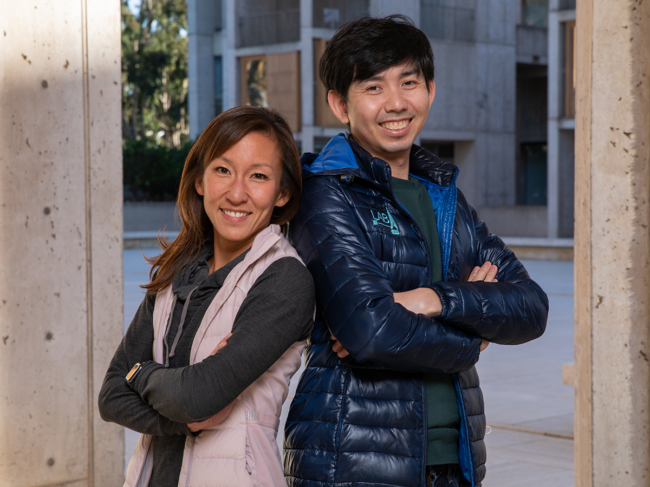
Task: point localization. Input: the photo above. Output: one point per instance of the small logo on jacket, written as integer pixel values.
(385, 220)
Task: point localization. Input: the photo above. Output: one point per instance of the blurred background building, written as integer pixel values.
(504, 106)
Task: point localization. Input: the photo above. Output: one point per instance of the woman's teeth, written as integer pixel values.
(395, 125)
(235, 214)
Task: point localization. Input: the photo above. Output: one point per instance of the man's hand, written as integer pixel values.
(426, 301)
(221, 416)
(487, 272)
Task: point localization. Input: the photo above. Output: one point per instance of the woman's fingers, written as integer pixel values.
(338, 348)
(221, 344)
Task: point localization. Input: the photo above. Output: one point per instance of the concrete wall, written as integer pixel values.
(515, 221)
(150, 216)
(60, 240)
(612, 244)
(476, 100)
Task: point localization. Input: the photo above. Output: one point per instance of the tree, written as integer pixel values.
(154, 71)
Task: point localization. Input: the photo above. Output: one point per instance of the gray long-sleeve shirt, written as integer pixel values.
(276, 313)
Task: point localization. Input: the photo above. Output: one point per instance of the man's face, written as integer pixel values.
(387, 111)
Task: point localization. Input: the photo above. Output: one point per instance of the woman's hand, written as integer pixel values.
(221, 416)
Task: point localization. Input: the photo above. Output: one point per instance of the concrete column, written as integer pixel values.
(307, 73)
(612, 262)
(202, 17)
(60, 240)
(231, 95)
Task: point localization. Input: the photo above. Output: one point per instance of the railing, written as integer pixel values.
(448, 23)
(567, 4)
(332, 14)
(266, 28)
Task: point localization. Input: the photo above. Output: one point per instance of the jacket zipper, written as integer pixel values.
(189, 468)
(463, 424)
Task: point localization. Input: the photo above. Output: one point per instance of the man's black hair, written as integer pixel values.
(367, 46)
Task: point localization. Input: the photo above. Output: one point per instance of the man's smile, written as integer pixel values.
(396, 124)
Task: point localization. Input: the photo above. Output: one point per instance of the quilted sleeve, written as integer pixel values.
(509, 312)
(356, 298)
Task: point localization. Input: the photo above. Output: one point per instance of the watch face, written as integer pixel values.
(132, 372)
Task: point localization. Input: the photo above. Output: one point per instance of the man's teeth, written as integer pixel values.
(236, 214)
(395, 125)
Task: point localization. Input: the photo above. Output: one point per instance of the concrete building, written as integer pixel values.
(490, 112)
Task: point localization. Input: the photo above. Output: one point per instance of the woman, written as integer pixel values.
(209, 409)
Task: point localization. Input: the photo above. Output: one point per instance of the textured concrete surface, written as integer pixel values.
(60, 240)
(612, 248)
(522, 386)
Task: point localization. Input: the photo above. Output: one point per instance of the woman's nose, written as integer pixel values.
(237, 192)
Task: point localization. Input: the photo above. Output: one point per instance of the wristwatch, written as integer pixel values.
(130, 377)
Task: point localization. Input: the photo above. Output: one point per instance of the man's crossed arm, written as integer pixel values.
(426, 301)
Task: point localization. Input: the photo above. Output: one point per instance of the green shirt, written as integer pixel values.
(443, 419)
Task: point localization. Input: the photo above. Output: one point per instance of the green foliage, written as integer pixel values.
(154, 71)
(152, 172)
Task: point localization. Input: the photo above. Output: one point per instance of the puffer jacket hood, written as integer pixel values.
(362, 419)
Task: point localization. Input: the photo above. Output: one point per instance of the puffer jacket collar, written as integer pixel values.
(344, 156)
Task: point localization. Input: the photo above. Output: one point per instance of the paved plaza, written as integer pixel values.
(529, 410)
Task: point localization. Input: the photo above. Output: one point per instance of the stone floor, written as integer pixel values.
(528, 408)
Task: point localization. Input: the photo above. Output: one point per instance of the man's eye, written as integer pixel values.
(373, 88)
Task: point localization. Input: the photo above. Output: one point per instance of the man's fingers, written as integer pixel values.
(484, 345)
(472, 276)
(491, 274)
(482, 272)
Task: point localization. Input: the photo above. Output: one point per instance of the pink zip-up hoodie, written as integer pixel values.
(242, 451)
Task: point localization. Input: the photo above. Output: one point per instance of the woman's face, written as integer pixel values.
(240, 189)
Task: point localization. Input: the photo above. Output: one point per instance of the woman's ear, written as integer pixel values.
(198, 185)
(283, 198)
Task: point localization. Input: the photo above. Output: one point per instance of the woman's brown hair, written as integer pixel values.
(222, 133)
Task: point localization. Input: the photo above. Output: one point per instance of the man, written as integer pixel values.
(405, 284)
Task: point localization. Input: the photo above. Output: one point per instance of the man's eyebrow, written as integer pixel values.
(380, 77)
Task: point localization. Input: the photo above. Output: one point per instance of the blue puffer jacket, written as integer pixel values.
(361, 421)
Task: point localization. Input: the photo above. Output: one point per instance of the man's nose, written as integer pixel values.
(396, 102)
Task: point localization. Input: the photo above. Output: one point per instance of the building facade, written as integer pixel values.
(491, 115)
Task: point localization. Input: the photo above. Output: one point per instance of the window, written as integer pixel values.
(535, 13)
(447, 22)
(324, 116)
(253, 79)
(569, 70)
(273, 80)
(332, 14)
(269, 22)
(218, 85)
(534, 165)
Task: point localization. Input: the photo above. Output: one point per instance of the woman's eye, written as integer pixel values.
(259, 175)
(221, 170)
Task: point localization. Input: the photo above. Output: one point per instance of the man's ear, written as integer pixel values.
(432, 92)
(198, 185)
(338, 106)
